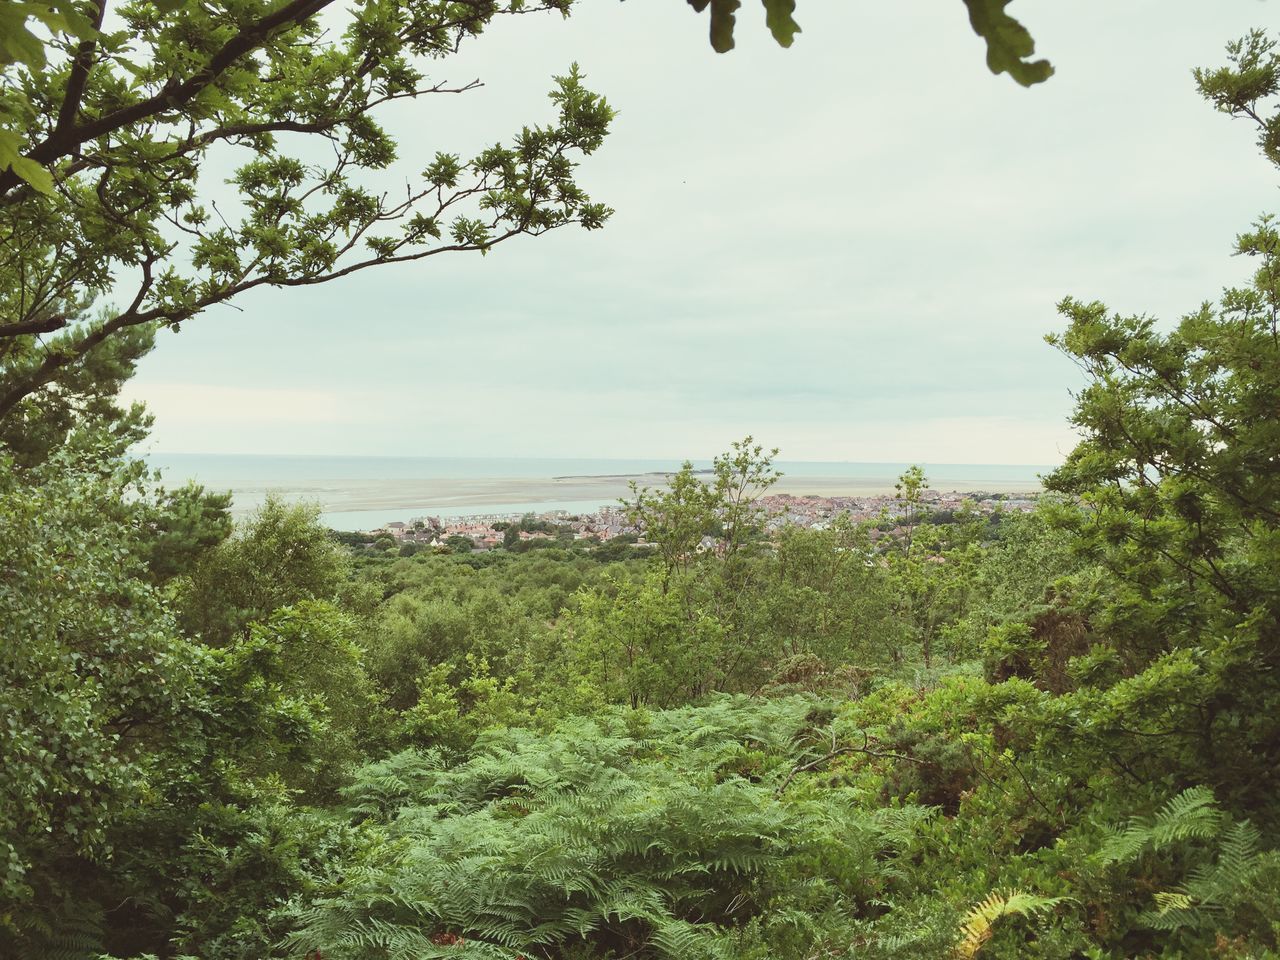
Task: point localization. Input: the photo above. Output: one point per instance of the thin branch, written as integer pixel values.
(841, 751)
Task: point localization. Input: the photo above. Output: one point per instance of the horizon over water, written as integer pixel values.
(363, 492)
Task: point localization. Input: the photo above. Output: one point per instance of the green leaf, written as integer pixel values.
(33, 173)
(17, 43)
(782, 23)
(722, 21)
(11, 157)
(1009, 44)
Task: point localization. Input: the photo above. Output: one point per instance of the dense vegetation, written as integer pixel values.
(1053, 735)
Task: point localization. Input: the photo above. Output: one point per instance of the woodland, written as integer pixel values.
(1052, 734)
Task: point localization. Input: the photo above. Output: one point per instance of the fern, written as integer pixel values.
(73, 930)
(978, 924)
(1212, 887)
(920, 927)
(1192, 814)
(1223, 875)
(595, 837)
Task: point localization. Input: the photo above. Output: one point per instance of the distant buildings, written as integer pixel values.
(488, 532)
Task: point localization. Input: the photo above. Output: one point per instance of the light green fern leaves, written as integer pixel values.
(1228, 863)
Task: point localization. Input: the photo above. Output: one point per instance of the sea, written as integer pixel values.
(363, 493)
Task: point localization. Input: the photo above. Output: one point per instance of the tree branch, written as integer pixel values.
(48, 324)
(173, 94)
(79, 76)
(841, 751)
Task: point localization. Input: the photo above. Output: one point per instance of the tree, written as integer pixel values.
(909, 493)
(690, 510)
(180, 526)
(458, 543)
(931, 565)
(826, 603)
(675, 519)
(1017, 580)
(85, 399)
(121, 122)
(96, 687)
(1241, 88)
(304, 662)
(146, 778)
(1177, 471)
(645, 644)
(281, 556)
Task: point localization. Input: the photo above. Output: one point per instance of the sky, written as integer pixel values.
(851, 249)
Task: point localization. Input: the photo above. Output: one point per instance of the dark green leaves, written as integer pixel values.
(662, 830)
(19, 45)
(723, 14)
(120, 127)
(724, 19)
(778, 16)
(1008, 43)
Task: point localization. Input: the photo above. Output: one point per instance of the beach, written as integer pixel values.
(364, 492)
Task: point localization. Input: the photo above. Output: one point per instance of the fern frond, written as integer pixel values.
(978, 924)
(1172, 901)
(1214, 882)
(1191, 814)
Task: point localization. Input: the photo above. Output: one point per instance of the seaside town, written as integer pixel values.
(492, 531)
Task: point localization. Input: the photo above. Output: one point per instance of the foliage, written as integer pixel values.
(458, 542)
(452, 716)
(932, 568)
(1009, 45)
(1182, 506)
(1020, 578)
(304, 671)
(752, 742)
(1221, 888)
(280, 556)
(977, 925)
(508, 853)
(95, 685)
(1241, 89)
(180, 526)
(639, 643)
(86, 399)
(1192, 814)
(691, 516)
(102, 143)
(142, 770)
(821, 594)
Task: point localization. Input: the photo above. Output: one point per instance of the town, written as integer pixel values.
(493, 531)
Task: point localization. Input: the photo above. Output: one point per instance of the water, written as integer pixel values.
(359, 493)
(372, 519)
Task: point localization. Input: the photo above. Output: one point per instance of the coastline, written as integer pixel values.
(425, 495)
(359, 493)
(364, 505)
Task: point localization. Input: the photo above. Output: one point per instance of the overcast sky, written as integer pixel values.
(851, 249)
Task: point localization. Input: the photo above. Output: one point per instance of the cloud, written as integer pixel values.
(180, 406)
(851, 249)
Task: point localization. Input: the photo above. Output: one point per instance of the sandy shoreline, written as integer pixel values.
(489, 494)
